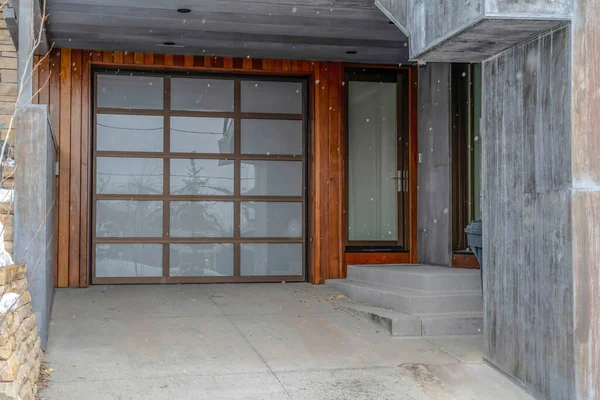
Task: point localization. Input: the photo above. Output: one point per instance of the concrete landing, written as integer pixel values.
(415, 300)
(249, 342)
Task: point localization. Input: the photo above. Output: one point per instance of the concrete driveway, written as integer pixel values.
(251, 341)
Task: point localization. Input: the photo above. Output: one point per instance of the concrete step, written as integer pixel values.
(409, 301)
(421, 277)
(446, 324)
(400, 324)
(393, 322)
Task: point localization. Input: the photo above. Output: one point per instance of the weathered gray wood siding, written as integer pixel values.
(585, 144)
(474, 30)
(296, 30)
(549, 7)
(35, 209)
(527, 180)
(486, 39)
(429, 22)
(435, 171)
(396, 11)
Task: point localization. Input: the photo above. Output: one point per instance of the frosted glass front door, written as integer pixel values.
(372, 162)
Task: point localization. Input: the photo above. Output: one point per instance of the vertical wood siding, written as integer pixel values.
(68, 94)
(585, 145)
(527, 225)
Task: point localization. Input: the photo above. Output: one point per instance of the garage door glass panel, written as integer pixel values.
(129, 132)
(194, 94)
(201, 218)
(271, 178)
(129, 218)
(122, 175)
(129, 260)
(202, 177)
(272, 136)
(271, 219)
(271, 97)
(201, 259)
(202, 135)
(130, 92)
(271, 259)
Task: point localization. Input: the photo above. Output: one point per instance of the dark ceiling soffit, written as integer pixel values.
(10, 15)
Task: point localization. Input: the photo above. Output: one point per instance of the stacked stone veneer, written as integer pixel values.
(20, 351)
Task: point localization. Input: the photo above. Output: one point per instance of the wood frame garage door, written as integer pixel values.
(198, 178)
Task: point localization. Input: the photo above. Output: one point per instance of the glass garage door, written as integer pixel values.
(198, 178)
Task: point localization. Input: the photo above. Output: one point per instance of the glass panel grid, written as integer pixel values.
(123, 175)
(209, 213)
(197, 94)
(202, 135)
(201, 259)
(272, 136)
(130, 91)
(201, 219)
(117, 132)
(129, 260)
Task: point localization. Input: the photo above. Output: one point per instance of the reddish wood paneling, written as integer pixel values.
(34, 79)
(43, 81)
(84, 249)
(464, 261)
(336, 173)
(118, 57)
(64, 162)
(69, 97)
(128, 57)
(413, 155)
(75, 171)
(149, 58)
(377, 258)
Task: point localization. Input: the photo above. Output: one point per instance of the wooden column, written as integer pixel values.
(585, 147)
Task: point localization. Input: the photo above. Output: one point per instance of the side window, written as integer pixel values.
(466, 151)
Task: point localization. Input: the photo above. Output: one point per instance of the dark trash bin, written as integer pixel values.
(475, 242)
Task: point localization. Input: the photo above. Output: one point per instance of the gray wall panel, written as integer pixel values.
(435, 171)
(35, 209)
(527, 225)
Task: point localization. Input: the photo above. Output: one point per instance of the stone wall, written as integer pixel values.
(7, 217)
(20, 349)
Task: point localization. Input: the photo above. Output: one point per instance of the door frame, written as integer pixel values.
(373, 255)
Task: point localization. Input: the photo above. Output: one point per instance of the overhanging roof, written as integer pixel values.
(293, 29)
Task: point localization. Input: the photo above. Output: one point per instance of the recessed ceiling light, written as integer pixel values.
(184, 10)
(351, 52)
(169, 43)
(391, 22)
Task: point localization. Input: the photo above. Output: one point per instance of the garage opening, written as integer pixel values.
(198, 178)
